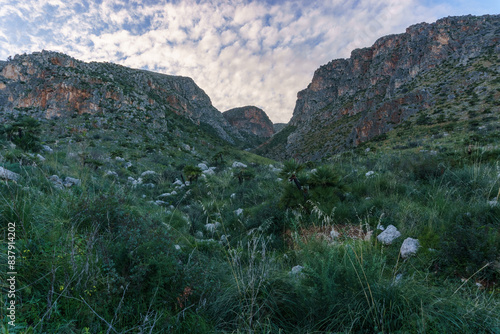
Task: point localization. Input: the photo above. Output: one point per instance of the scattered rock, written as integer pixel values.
(148, 172)
(370, 173)
(233, 196)
(389, 235)
(493, 202)
(239, 212)
(47, 149)
(209, 171)
(70, 181)
(111, 173)
(409, 247)
(203, 166)
(120, 159)
(128, 165)
(297, 270)
(8, 175)
(40, 157)
(237, 164)
(178, 182)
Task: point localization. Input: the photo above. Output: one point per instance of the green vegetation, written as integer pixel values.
(128, 250)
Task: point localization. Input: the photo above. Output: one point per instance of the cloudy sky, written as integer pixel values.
(239, 52)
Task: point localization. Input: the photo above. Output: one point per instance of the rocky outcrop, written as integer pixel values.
(350, 101)
(50, 84)
(250, 120)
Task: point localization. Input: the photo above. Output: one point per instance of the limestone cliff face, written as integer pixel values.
(250, 120)
(50, 84)
(350, 101)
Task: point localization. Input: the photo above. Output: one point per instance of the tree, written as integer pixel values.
(192, 172)
(24, 133)
(244, 174)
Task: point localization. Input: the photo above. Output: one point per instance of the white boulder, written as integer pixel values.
(390, 234)
(203, 166)
(237, 164)
(409, 247)
(8, 175)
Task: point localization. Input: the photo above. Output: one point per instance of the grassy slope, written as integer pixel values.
(101, 256)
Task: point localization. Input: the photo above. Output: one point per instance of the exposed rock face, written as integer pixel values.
(353, 100)
(250, 120)
(50, 84)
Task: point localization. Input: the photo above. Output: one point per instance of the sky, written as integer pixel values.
(239, 52)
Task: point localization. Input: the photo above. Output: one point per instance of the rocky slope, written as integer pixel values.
(446, 68)
(252, 122)
(50, 84)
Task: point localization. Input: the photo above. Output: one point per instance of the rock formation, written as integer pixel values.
(250, 120)
(350, 101)
(50, 84)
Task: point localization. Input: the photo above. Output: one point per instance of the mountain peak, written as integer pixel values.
(351, 101)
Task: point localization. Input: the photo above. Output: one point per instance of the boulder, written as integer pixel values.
(237, 164)
(202, 166)
(47, 149)
(8, 175)
(409, 247)
(70, 181)
(389, 235)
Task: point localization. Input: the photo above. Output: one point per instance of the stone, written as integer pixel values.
(390, 234)
(370, 173)
(237, 164)
(47, 149)
(9, 175)
(70, 181)
(202, 166)
(148, 172)
(409, 247)
(238, 212)
(111, 173)
(40, 157)
(297, 270)
(209, 171)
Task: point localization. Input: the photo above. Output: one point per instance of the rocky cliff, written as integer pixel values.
(50, 84)
(250, 120)
(431, 67)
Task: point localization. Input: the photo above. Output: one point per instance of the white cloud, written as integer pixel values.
(240, 52)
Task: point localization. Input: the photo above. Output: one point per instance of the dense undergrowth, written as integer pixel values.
(216, 256)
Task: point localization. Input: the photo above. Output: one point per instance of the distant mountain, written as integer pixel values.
(48, 84)
(252, 123)
(279, 126)
(440, 72)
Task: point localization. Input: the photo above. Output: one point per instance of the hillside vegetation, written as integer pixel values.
(132, 247)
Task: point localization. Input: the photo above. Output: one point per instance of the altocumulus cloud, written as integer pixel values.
(240, 52)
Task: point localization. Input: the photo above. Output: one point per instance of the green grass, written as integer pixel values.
(101, 257)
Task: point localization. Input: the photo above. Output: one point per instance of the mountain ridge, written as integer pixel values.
(350, 101)
(50, 84)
